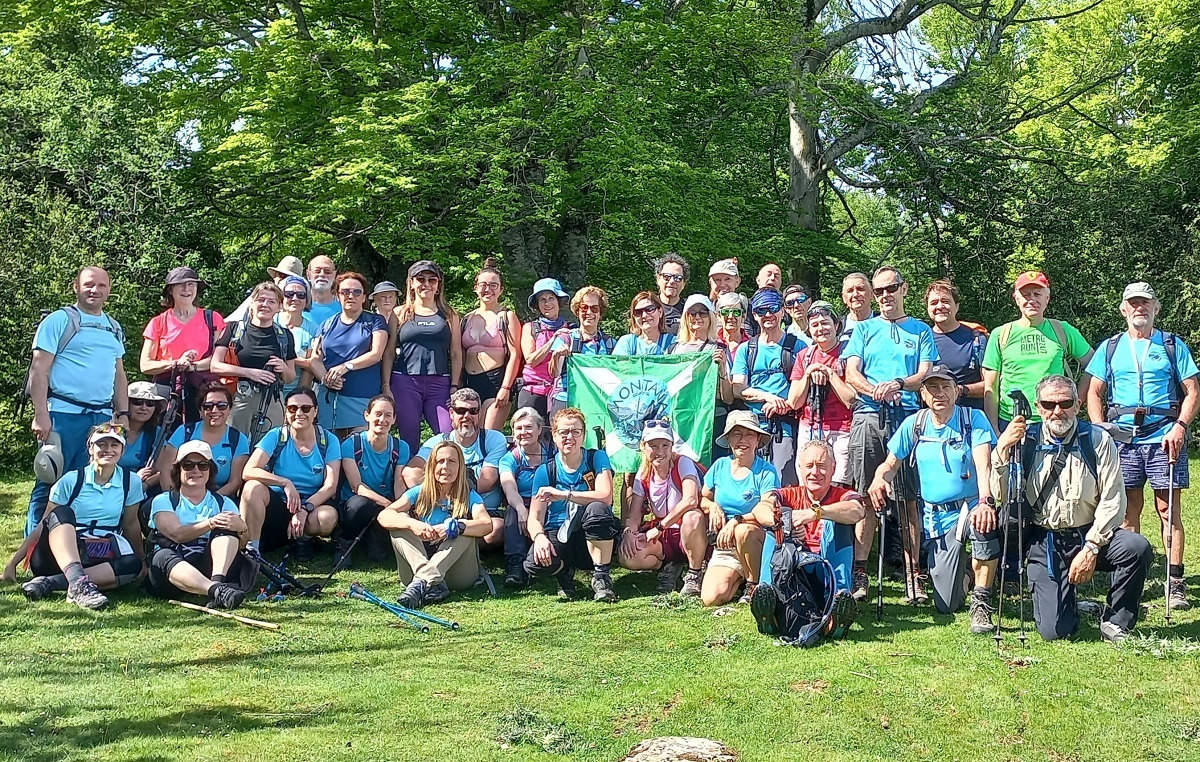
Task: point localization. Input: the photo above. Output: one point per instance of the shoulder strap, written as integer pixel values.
(918, 431)
(235, 336)
(212, 330)
(125, 475)
(188, 430)
(75, 490)
(1002, 334)
(117, 330)
(1176, 387)
(1087, 448)
(73, 321)
(1110, 349)
(279, 445)
(751, 357)
(235, 436)
(174, 497)
(358, 450)
(552, 470)
(576, 342)
(1070, 365)
(787, 358)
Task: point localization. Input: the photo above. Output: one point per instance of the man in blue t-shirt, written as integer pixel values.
(886, 358)
(322, 273)
(1144, 383)
(76, 378)
(951, 448)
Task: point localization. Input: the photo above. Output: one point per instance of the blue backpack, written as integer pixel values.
(804, 589)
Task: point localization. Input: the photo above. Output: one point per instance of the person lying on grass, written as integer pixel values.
(435, 527)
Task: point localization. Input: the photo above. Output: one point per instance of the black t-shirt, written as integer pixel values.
(257, 345)
(672, 314)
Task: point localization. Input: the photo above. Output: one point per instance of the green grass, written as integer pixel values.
(529, 678)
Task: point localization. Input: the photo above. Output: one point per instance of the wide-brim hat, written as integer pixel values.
(145, 390)
(542, 285)
(289, 265)
(384, 286)
(744, 419)
(48, 462)
(183, 274)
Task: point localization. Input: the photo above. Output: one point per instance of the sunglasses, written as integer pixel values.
(194, 465)
(428, 279)
(730, 312)
(348, 292)
(111, 428)
(465, 410)
(889, 289)
(795, 302)
(294, 295)
(640, 311)
(293, 409)
(698, 313)
(142, 403)
(657, 425)
(671, 277)
(588, 308)
(1051, 405)
(764, 311)
(210, 406)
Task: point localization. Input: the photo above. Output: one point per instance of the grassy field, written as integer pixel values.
(529, 678)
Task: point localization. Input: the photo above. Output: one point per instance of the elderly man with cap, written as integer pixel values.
(1144, 383)
(949, 445)
(77, 377)
(819, 391)
(1023, 352)
(322, 273)
(1074, 501)
(671, 272)
(181, 338)
(196, 532)
(886, 358)
(723, 278)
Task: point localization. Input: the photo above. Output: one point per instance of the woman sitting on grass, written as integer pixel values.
(372, 475)
(435, 527)
(196, 531)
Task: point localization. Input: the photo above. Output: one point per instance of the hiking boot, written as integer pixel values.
(762, 607)
(225, 596)
(860, 584)
(1113, 632)
(981, 611)
(747, 593)
(437, 593)
(691, 584)
(603, 587)
(915, 590)
(343, 557)
(37, 588)
(303, 550)
(83, 592)
(514, 572)
(1177, 595)
(845, 611)
(1089, 607)
(566, 584)
(413, 596)
(379, 547)
(668, 577)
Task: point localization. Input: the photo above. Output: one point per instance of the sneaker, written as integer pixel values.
(1177, 595)
(303, 550)
(514, 572)
(566, 584)
(414, 595)
(747, 593)
(860, 584)
(668, 577)
(691, 584)
(437, 593)
(1113, 632)
(845, 611)
(37, 588)
(762, 607)
(603, 588)
(225, 596)
(915, 590)
(83, 592)
(981, 611)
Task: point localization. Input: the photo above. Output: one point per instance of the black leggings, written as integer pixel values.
(241, 572)
(595, 522)
(356, 513)
(43, 563)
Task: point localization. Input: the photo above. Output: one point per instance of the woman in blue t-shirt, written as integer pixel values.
(590, 305)
(230, 447)
(291, 481)
(517, 468)
(435, 527)
(346, 357)
(372, 475)
(647, 328)
(145, 408)
(732, 487)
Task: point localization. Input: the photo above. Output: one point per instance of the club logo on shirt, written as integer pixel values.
(633, 403)
(748, 494)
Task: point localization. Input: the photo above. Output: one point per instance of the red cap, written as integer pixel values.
(1031, 278)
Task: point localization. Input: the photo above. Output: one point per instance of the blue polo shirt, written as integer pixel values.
(737, 497)
(101, 504)
(889, 351)
(943, 460)
(487, 450)
(191, 513)
(233, 444)
(375, 467)
(441, 511)
(137, 451)
(307, 472)
(1141, 375)
(572, 481)
(87, 367)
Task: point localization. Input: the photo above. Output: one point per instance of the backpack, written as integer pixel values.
(208, 321)
(1083, 443)
(75, 490)
(588, 467)
(284, 435)
(787, 355)
(393, 458)
(74, 324)
(964, 423)
(804, 589)
(189, 429)
(648, 517)
(1070, 364)
(608, 342)
(235, 343)
(1175, 388)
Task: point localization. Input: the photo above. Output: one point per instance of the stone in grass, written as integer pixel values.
(680, 749)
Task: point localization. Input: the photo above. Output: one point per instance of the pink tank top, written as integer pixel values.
(537, 378)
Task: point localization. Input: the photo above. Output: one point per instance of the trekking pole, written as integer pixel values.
(427, 617)
(170, 415)
(267, 394)
(908, 554)
(280, 576)
(1168, 538)
(1015, 503)
(882, 543)
(359, 592)
(337, 565)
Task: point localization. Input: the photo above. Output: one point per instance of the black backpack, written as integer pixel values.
(804, 590)
(393, 458)
(588, 466)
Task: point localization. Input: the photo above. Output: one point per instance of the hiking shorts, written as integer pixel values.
(727, 559)
(868, 450)
(1148, 462)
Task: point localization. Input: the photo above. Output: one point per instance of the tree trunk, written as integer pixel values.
(804, 186)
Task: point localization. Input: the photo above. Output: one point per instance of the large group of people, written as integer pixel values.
(295, 422)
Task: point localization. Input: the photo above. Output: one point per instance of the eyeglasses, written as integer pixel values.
(730, 312)
(488, 286)
(465, 410)
(141, 403)
(1051, 405)
(795, 302)
(569, 432)
(294, 295)
(671, 277)
(348, 292)
(293, 409)
(648, 310)
(210, 406)
(888, 289)
(194, 465)
(588, 308)
(764, 311)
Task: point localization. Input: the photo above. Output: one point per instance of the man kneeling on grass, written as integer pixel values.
(196, 531)
(570, 516)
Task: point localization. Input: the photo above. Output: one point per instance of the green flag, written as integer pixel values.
(620, 393)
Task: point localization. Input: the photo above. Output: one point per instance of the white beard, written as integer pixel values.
(1059, 429)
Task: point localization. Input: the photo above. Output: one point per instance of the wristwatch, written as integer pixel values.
(350, 365)
(1092, 548)
(989, 501)
(308, 506)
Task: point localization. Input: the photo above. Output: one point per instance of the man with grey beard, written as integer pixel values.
(321, 274)
(1074, 506)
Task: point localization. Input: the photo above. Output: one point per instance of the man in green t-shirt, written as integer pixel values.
(1023, 352)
